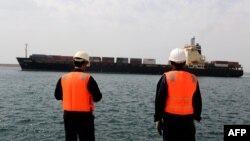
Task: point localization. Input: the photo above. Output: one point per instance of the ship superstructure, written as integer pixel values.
(194, 57)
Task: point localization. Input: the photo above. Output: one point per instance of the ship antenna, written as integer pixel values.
(26, 50)
(193, 41)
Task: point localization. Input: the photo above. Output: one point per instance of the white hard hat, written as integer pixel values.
(177, 55)
(81, 56)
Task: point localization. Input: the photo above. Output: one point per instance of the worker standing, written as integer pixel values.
(78, 91)
(178, 101)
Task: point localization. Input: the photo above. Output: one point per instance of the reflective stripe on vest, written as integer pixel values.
(76, 96)
(181, 88)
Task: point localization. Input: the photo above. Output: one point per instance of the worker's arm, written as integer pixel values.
(58, 90)
(197, 103)
(94, 89)
(160, 99)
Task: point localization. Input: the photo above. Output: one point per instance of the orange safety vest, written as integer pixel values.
(181, 88)
(76, 96)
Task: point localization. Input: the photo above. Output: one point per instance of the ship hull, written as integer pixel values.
(28, 64)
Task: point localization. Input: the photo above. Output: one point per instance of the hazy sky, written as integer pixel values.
(125, 28)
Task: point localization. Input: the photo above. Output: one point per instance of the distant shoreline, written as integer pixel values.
(9, 65)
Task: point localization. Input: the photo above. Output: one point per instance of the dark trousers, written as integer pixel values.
(178, 129)
(79, 125)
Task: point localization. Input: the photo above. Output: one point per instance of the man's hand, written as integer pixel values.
(159, 126)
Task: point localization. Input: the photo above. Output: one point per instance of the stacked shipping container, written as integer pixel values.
(93, 59)
(121, 60)
(226, 64)
(149, 61)
(108, 60)
(136, 61)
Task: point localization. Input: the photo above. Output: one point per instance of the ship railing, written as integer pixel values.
(196, 66)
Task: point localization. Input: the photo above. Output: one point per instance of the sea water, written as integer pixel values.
(29, 111)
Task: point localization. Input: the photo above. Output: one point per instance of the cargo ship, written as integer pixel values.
(195, 63)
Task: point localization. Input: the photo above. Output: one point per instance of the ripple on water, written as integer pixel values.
(29, 112)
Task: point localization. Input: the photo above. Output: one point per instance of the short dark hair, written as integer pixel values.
(178, 65)
(79, 63)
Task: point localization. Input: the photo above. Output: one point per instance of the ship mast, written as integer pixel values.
(26, 50)
(193, 41)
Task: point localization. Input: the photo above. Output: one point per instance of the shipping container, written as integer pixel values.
(94, 59)
(109, 60)
(121, 60)
(38, 56)
(68, 58)
(219, 62)
(135, 61)
(234, 64)
(52, 58)
(148, 61)
(221, 65)
(58, 58)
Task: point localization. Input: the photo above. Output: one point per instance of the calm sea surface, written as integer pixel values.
(29, 111)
